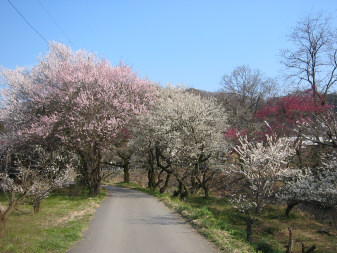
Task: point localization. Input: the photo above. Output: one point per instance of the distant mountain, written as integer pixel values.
(331, 98)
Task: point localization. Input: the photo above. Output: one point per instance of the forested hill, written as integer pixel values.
(331, 98)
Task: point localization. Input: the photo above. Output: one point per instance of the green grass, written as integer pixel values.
(56, 228)
(222, 224)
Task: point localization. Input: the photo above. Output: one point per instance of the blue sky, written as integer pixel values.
(189, 42)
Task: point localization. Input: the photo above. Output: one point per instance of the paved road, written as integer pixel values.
(129, 221)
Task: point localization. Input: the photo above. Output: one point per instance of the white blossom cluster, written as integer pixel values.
(322, 129)
(36, 183)
(184, 126)
(50, 179)
(39, 179)
(9, 184)
(54, 171)
(240, 202)
(313, 186)
(261, 165)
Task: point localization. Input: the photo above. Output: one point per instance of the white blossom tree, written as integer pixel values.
(318, 133)
(34, 179)
(308, 185)
(18, 188)
(48, 180)
(261, 165)
(182, 135)
(52, 171)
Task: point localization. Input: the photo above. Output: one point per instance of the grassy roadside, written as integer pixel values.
(227, 238)
(218, 221)
(56, 228)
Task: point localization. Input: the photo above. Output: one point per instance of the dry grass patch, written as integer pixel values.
(88, 209)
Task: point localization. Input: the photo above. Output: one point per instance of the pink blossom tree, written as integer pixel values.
(292, 116)
(77, 99)
(285, 113)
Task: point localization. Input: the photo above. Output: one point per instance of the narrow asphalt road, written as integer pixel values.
(129, 221)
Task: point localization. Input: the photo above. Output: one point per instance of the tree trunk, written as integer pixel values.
(126, 163)
(249, 226)
(37, 206)
(2, 227)
(96, 174)
(126, 174)
(290, 207)
(184, 195)
(182, 191)
(8, 211)
(194, 185)
(311, 249)
(206, 190)
(177, 192)
(153, 179)
(150, 178)
(94, 181)
(91, 171)
(151, 173)
(96, 190)
(167, 180)
(289, 247)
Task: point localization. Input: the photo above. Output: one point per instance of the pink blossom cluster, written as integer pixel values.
(74, 95)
